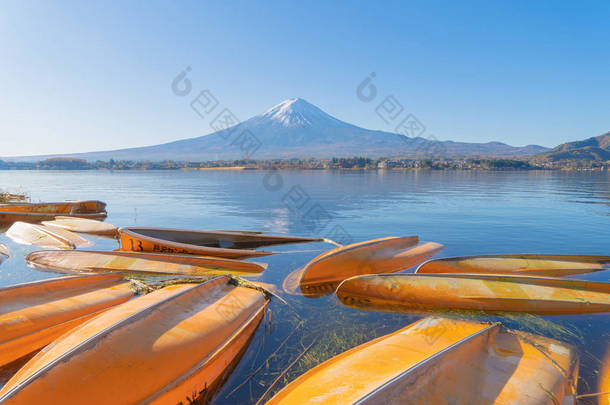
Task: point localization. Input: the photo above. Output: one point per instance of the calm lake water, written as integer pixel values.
(469, 212)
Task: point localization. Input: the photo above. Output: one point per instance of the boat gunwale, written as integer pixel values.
(77, 349)
(550, 282)
(294, 239)
(525, 256)
(186, 246)
(128, 253)
(34, 283)
(51, 203)
(300, 272)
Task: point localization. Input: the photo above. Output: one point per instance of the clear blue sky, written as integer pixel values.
(81, 76)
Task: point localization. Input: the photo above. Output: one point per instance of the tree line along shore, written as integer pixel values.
(361, 163)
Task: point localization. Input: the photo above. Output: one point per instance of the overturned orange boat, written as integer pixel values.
(496, 293)
(83, 225)
(174, 345)
(36, 212)
(228, 244)
(322, 275)
(518, 264)
(443, 361)
(133, 262)
(45, 236)
(34, 314)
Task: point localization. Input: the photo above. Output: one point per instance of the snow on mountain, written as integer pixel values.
(296, 128)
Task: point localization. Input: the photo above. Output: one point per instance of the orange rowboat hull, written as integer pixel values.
(533, 265)
(497, 293)
(133, 262)
(442, 361)
(83, 225)
(175, 343)
(34, 314)
(65, 207)
(132, 239)
(322, 275)
(36, 212)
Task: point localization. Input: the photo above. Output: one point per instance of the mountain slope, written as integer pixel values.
(296, 128)
(596, 149)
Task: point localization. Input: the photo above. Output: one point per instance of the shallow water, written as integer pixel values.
(469, 212)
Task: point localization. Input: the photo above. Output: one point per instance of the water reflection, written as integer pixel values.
(469, 212)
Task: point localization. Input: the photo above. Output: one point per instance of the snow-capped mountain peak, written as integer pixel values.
(297, 112)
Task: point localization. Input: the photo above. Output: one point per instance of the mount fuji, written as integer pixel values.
(294, 129)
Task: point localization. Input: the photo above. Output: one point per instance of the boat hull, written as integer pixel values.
(34, 314)
(495, 293)
(518, 264)
(36, 212)
(133, 262)
(83, 225)
(442, 361)
(322, 275)
(40, 235)
(603, 385)
(135, 240)
(176, 342)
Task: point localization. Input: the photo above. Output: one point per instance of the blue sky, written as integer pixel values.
(83, 76)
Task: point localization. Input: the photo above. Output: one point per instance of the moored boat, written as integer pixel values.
(228, 244)
(36, 212)
(443, 361)
(497, 293)
(323, 274)
(49, 237)
(176, 344)
(518, 264)
(134, 262)
(83, 225)
(34, 314)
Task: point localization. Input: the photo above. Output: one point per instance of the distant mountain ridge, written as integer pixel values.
(596, 148)
(298, 129)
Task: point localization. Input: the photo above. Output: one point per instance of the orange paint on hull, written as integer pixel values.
(322, 275)
(133, 262)
(34, 314)
(162, 348)
(36, 212)
(603, 385)
(497, 293)
(442, 361)
(227, 244)
(518, 264)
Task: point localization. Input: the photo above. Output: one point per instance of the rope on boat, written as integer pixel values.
(142, 287)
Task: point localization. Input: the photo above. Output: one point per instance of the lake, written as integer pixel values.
(470, 212)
